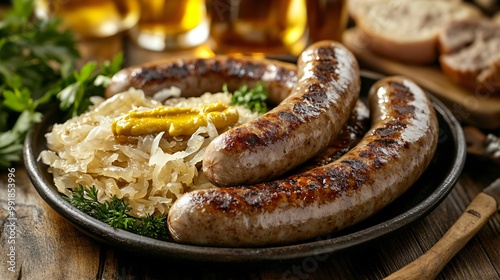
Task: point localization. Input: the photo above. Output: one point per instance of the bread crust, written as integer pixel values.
(386, 27)
(472, 59)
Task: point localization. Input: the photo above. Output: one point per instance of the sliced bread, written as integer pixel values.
(407, 31)
(356, 8)
(471, 54)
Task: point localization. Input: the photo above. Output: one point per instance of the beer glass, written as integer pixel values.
(171, 24)
(326, 19)
(91, 18)
(251, 27)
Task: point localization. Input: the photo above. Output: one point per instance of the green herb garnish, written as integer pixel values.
(34, 55)
(37, 62)
(115, 213)
(253, 99)
(75, 91)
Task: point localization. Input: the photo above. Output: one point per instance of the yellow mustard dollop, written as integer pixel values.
(176, 121)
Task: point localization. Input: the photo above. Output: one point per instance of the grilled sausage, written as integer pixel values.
(295, 130)
(198, 75)
(350, 135)
(385, 163)
(195, 76)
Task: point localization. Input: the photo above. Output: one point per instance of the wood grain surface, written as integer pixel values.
(430, 264)
(48, 247)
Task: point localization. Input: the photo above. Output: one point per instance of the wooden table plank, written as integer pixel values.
(48, 236)
(51, 247)
(46, 246)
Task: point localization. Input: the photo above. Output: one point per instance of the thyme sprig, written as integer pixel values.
(115, 211)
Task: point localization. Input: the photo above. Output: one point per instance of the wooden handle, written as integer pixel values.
(468, 224)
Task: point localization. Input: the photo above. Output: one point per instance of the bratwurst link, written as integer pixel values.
(194, 76)
(197, 75)
(295, 130)
(350, 135)
(325, 199)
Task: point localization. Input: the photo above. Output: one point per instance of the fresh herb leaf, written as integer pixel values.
(253, 99)
(77, 89)
(25, 121)
(115, 213)
(37, 67)
(18, 99)
(33, 52)
(153, 226)
(68, 96)
(11, 147)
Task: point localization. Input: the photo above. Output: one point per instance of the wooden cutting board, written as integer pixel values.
(481, 110)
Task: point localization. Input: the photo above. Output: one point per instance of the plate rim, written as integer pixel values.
(129, 241)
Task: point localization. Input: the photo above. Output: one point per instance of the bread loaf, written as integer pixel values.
(356, 8)
(407, 31)
(471, 54)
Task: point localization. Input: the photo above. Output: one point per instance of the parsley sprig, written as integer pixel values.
(253, 99)
(75, 91)
(115, 213)
(37, 72)
(34, 55)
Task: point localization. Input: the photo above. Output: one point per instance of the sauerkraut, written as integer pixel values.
(149, 172)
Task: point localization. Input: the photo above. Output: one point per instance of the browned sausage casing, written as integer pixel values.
(295, 130)
(195, 76)
(385, 163)
(350, 135)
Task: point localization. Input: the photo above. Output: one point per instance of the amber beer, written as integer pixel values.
(255, 26)
(91, 18)
(326, 19)
(171, 24)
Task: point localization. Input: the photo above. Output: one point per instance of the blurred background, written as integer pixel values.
(153, 30)
(148, 30)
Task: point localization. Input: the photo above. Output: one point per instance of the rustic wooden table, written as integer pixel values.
(48, 247)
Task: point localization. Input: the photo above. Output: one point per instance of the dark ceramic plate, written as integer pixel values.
(432, 187)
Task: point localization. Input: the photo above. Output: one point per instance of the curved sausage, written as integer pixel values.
(195, 76)
(350, 135)
(295, 130)
(386, 162)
